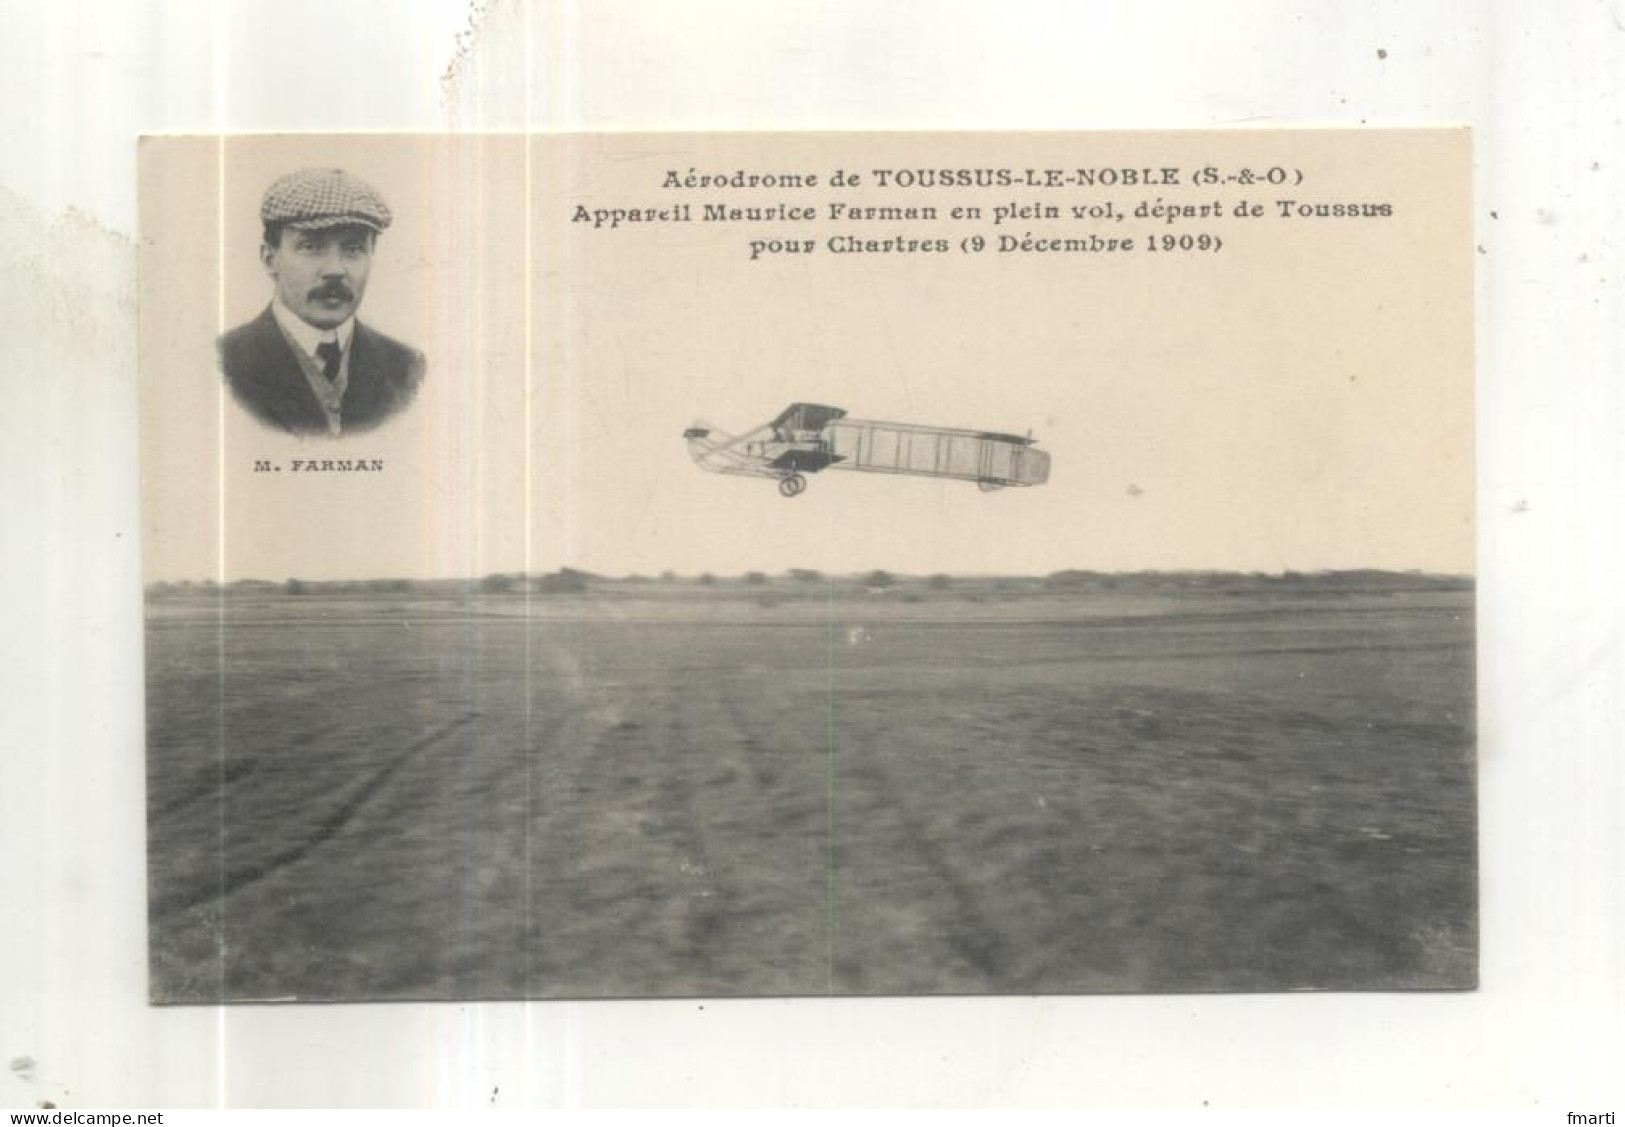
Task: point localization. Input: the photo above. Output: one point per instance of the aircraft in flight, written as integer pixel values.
(809, 438)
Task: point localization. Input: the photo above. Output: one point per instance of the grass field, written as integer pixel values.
(735, 793)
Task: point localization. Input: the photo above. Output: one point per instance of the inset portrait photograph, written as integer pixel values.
(307, 364)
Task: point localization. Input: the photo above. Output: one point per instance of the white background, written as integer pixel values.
(1540, 84)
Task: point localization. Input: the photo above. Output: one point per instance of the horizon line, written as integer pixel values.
(814, 574)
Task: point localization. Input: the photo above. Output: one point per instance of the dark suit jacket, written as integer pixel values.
(265, 377)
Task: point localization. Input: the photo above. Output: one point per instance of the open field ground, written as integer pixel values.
(742, 793)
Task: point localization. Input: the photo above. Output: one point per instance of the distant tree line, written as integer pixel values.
(878, 581)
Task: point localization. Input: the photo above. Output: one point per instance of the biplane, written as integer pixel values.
(809, 438)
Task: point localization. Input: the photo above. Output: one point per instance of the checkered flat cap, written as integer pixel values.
(315, 199)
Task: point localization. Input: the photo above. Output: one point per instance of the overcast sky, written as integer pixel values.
(1299, 400)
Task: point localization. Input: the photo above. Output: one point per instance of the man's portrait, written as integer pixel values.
(306, 365)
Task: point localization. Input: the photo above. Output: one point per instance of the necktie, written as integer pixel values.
(330, 354)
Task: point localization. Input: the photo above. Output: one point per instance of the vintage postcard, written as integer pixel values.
(708, 565)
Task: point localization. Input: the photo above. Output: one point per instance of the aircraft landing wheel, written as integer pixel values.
(791, 485)
(990, 486)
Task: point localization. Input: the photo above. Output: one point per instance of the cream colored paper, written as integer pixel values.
(508, 698)
(1299, 399)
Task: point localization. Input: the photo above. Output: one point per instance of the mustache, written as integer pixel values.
(332, 289)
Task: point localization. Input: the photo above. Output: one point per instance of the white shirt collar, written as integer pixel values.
(307, 335)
